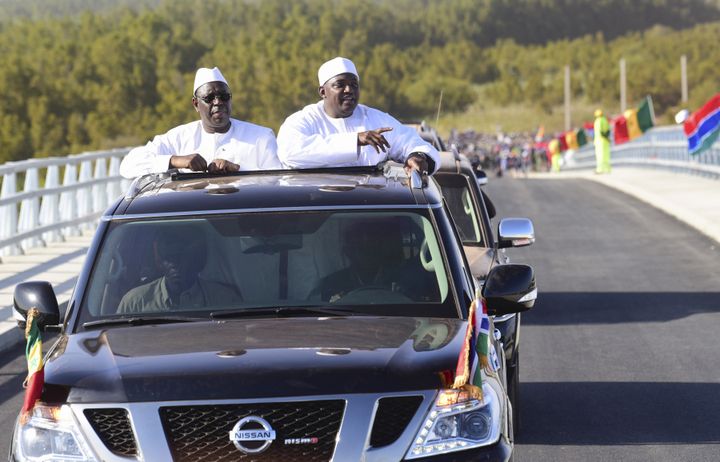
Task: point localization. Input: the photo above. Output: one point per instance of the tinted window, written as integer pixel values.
(387, 260)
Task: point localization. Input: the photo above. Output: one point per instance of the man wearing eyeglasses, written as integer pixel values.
(337, 131)
(216, 143)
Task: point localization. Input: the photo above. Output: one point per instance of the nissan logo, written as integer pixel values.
(252, 435)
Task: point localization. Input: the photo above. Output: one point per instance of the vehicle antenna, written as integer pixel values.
(437, 117)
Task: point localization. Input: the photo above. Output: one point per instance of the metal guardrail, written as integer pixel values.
(40, 213)
(660, 147)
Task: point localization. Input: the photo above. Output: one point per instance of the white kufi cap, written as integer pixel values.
(205, 75)
(336, 66)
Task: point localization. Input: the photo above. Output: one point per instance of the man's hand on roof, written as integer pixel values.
(375, 139)
(222, 166)
(417, 161)
(194, 162)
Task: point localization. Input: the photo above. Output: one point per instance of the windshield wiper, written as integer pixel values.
(138, 321)
(280, 312)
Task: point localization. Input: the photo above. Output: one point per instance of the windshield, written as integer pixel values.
(382, 263)
(456, 191)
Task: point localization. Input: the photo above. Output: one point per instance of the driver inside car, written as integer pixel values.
(378, 271)
(180, 254)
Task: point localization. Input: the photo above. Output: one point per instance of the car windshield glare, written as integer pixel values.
(368, 262)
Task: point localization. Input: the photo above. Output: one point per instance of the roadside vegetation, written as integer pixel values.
(77, 78)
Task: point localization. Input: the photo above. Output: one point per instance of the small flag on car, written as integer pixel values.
(36, 375)
(474, 354)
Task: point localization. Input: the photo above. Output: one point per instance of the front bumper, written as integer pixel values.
(145, 426)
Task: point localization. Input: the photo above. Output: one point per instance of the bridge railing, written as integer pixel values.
(661, 147)
(48, 211)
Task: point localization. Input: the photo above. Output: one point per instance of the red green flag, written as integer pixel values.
(36, 375)
(474, 354)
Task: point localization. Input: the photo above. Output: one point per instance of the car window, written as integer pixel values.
(458, 196)
(391, 260)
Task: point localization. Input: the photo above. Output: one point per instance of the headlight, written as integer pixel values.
(457, 422)
(51, 435)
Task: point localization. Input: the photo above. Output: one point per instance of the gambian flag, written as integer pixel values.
(703, 126)
(36, 375)
(474, 354)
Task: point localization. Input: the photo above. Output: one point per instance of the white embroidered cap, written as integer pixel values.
(336, 66)
(205, 75)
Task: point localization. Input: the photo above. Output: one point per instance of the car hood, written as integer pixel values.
(253, 358)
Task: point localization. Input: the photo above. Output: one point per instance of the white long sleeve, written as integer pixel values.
(310, 138)
(250, 146)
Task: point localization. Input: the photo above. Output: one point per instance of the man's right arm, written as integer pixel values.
(162, 154)
(154, 157)
(142, 160)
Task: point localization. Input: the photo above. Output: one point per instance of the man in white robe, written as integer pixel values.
(337, 131)
(216, 143)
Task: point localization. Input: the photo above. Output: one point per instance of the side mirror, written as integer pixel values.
(481, 177)
(515, 232)
(39, 295)
(510, 289)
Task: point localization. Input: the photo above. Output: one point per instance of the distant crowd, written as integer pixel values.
(503, 153)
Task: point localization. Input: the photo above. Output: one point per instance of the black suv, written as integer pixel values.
(287, 315)
(472, 210)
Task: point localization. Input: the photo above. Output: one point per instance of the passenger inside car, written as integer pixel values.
(180, 254)
(383, 259)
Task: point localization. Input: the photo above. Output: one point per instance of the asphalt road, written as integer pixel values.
(619, 356)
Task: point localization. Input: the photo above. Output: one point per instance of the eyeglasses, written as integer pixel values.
(224, 97)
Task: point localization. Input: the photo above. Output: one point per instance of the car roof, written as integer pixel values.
(173, 193)
(452, 162)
